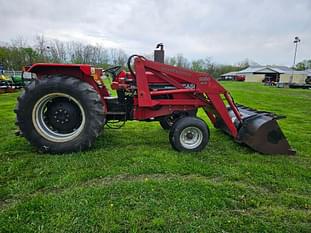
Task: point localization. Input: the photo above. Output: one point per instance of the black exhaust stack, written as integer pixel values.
(159, 53)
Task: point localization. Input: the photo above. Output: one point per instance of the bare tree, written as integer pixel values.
(19, 42)
(170, 61)
(102, 55)
(75, 50)
(57, 51)
(113, 56)
(181, 61)
(122, 57)
(41, 45)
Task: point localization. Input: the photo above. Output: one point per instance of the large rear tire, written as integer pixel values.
(60, 114)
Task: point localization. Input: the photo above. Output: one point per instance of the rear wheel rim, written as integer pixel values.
(65, 123)
(191, 137)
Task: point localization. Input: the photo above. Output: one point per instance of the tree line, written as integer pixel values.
(303, 65)
(16, 54)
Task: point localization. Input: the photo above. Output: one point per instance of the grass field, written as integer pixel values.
(132, 180)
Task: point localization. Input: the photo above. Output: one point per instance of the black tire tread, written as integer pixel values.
(95, 113)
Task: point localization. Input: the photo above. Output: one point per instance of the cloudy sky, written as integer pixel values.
(227, 31)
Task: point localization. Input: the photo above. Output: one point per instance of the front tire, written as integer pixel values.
(189, 134)
(60, 114)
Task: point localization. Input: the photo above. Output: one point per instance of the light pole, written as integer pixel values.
(296, 41)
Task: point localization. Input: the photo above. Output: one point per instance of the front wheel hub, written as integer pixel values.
(191, 137)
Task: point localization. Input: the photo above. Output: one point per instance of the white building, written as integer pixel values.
(280, 74)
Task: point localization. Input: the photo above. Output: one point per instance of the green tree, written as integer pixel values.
(303, 65)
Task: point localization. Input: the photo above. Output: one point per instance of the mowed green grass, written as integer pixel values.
(133, 181)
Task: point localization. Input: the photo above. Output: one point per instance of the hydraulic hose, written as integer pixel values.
(129, 63)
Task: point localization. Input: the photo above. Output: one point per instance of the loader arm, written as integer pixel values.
(188, 90)
(206, 92)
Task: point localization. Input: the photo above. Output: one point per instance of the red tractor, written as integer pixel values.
(65, 108)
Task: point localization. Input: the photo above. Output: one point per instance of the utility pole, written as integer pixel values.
(296, 41)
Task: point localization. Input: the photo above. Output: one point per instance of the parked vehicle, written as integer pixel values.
(65, 108)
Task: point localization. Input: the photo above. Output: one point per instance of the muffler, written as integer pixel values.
(259, 130)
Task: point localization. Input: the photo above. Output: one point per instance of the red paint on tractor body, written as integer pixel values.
(156, 90)
(190, 90)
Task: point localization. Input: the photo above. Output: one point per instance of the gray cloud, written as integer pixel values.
(227, 31)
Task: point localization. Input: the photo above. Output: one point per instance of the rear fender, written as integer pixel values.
(81, 71)
(75, 70)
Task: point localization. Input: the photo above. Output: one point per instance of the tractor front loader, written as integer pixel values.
(65, 108)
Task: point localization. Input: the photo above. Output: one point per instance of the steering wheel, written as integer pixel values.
(115, 70)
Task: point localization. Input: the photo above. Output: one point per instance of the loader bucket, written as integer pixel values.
(260, 131)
